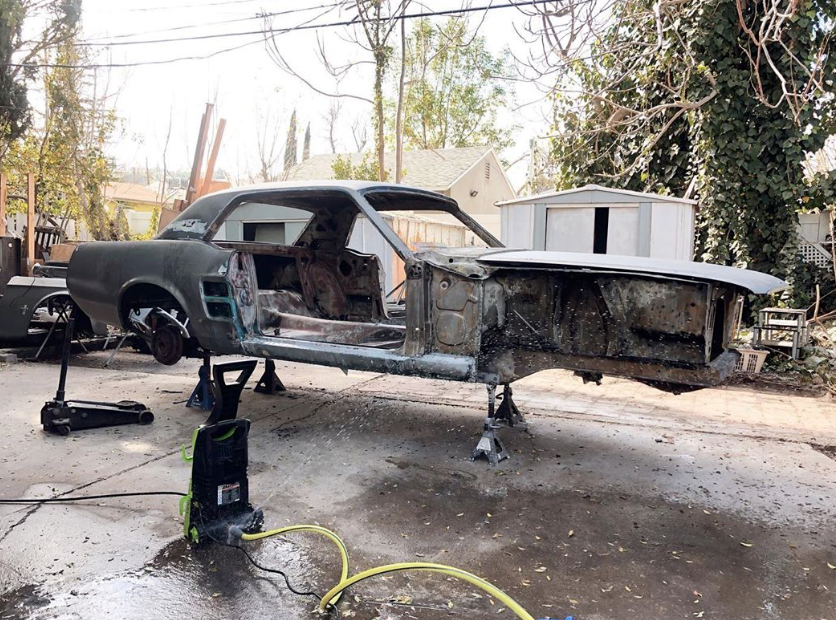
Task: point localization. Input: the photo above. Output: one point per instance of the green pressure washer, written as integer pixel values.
(218, 496)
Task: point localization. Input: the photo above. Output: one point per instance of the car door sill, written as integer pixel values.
(368, 359)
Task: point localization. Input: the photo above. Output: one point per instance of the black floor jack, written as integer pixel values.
(218, 495)
(62, 416)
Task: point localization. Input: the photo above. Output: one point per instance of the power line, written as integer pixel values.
(261, 33)
(215, 23)
(350, 22)
(189, 6)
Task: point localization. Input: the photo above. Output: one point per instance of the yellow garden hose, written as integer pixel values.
(337, 590)
(333, 595)
(310, 528)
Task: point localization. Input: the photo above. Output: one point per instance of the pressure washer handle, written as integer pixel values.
(65, 360)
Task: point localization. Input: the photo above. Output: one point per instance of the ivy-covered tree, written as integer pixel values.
(719, 100)
(455, 88)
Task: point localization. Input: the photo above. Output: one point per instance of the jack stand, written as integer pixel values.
(202, 394)
(269, 383)
(490, 445)
(218, 495)
(507, 411)
(61, 416)
(64, 310)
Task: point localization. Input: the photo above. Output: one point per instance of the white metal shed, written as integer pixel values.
(601, 220)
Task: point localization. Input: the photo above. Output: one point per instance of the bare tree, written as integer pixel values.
(375, 23)
(331, 117)
(360, 133)
(270, 151)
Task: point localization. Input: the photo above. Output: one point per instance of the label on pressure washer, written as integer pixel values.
(229, 493)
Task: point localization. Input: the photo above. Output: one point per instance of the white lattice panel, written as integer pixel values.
(816, 254)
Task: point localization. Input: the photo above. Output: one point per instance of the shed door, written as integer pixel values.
(623, 237)
(570, 229)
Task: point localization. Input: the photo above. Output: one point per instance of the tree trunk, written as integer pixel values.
(399, 113)
(379, 67)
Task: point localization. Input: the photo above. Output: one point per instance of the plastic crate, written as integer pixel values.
(751, 360)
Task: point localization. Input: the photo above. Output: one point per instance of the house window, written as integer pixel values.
(488, 170)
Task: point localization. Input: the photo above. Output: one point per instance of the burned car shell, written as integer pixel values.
(471, 314)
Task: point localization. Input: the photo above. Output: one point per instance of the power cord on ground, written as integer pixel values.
(76, 498)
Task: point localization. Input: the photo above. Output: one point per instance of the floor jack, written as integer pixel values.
(61, 415)
(218, 496)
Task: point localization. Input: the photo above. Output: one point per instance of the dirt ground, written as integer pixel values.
(618, 502)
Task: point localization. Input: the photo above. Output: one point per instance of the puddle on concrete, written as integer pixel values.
(182, 581)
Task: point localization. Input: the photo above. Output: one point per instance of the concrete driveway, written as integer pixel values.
(619, 501)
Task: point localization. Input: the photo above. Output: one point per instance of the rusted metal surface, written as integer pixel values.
(469, 314)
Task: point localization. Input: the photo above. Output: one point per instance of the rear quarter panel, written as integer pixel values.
(99, 274)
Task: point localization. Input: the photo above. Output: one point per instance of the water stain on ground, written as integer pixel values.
(596, 555)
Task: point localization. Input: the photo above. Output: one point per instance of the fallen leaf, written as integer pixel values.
(403, 599)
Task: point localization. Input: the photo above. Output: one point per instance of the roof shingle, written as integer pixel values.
(428, 169)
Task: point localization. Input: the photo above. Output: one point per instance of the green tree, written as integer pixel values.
(455, 88)
(366, 170)
(290, 145)
(689, 98)
(17, 53)
(67, 151)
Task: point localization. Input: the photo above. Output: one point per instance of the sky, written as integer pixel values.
(254, 95)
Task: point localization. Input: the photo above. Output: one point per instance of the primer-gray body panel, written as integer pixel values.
(23, 296)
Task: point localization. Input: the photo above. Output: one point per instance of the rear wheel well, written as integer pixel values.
(146, 296)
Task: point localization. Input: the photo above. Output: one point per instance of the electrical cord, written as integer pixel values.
(329, 606)
(75, 498)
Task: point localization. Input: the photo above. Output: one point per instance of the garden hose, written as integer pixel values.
(435, 568)
(333, 595)
(310, 528)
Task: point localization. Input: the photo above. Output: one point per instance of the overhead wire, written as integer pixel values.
(214, 23)
(271, 32)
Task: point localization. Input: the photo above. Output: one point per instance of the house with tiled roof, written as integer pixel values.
(473, 176)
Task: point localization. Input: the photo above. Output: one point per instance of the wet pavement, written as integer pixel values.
(618, 502)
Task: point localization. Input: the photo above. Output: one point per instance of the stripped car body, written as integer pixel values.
(487, 314)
